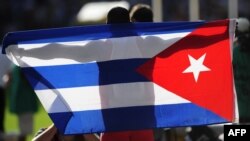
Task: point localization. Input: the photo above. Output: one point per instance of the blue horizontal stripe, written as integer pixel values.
(96, 32)
(89, 74)
(134, 118)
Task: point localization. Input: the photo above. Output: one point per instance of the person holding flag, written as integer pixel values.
(119, 15)
(241, 58)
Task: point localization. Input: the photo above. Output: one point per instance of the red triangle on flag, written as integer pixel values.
(213, 89)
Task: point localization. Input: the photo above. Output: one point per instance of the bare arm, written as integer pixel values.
(91, 137)
(46, 135)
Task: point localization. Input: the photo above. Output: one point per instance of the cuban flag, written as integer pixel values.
(130, 76)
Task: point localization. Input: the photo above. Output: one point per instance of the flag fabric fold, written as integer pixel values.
(129, 76)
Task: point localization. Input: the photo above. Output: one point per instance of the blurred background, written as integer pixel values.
(19, 15)
(36, 14)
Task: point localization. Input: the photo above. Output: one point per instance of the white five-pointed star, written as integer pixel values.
(196, 66)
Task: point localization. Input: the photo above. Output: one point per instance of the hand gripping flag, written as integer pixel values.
(129, 76)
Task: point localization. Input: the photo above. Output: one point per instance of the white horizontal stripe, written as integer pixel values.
(108, 96)
(61, 53)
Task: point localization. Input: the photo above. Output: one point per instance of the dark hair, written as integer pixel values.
(141, 13)
(118, 15)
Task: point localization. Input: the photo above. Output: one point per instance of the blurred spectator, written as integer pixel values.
(241, 65)
(144, 13)
(23, 102)
(4, 70)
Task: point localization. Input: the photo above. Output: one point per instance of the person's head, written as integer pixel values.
(118, 15)
(141, 13)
